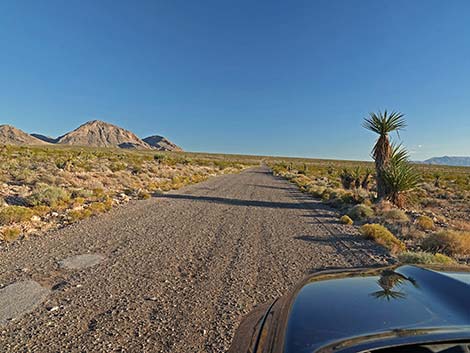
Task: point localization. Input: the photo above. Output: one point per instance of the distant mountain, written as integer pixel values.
(447, 160)
(98, 133)
(94, 133)
(161, 143)
(47, 139)
(10, 135)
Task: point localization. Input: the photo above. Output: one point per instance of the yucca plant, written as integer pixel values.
(383, 124)
(365, 179)
(399, 176)
(347, 178)
(437, 179)
(357, 174)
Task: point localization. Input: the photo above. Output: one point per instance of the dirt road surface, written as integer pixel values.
(175, 273)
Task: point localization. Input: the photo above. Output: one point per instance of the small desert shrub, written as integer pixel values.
(117, 166)
(425, 223)
(428, 202)
(48, 195)
(360, 212)
(160, 158)
(382, 236)
(41, 210)
(143, 195)
(78, 215)
(395, 215)
(448, 242)
(100, 207)
(10, 233)
(196, 178)
(461, 225)
(302, 180)
(98, 192)
(421, 257)
(326, 194)
(410, 231)
(346, 220)
(84, 193)
(15, 214)
(362, 196)
(78, 201)
(315, 191)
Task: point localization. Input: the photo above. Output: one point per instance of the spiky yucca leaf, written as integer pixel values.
(399, 154)
(384, 123)
(399, 176)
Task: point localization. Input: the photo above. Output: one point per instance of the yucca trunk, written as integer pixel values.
(382, 155)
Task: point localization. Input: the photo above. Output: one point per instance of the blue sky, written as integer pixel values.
(257, 77)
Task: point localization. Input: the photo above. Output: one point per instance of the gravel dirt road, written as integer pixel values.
(175, 273)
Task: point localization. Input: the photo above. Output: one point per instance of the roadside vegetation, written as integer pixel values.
(42, 188)
(419, 212)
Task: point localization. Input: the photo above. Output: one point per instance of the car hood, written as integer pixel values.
(354, 310)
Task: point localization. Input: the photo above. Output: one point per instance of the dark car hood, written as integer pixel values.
(351, 311)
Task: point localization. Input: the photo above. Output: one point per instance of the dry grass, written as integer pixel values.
(425, 223)
(346, 220)
(461, 225)
(395, 215)
(448, 242)
(424, 258)
(48, 195)
(10, 234)
(15, 214)
(361, 212)
(382, 236)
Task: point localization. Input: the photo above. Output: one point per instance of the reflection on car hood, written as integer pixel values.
(336, 311)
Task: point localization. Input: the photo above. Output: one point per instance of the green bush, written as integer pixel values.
(421, 257)
(360, 212)
(48, 195)
(382, 236)
(425, 223)
(160, 158)
(143, 195)
(78, 215)
(395, 215)
(117, 166)
(82, 193)
(448, 242)
(10, 233)
(15, 214)
(346, 220)
(100, 207)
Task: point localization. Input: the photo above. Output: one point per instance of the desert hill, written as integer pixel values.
(447, 160)
(95, 133)
(98, 133)
(161, 143)
(10, 135)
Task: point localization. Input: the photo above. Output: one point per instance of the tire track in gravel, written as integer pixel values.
(180, 269)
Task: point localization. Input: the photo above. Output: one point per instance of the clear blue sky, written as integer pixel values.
(259, 77)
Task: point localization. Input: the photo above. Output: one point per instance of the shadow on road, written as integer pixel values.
(312, 239)
(321, 215)
(237, 202)
(270, 187)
